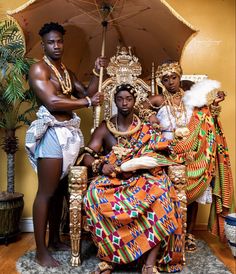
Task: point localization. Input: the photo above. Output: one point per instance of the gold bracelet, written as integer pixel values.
(91, 152)
(97, 165)
(95, 73)
(215, 110)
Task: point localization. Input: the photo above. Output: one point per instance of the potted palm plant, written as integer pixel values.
(17, 103)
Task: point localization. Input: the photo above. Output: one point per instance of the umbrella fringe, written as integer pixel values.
(20, 8)
(177, 15)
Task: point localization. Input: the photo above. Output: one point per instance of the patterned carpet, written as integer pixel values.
(201, 262)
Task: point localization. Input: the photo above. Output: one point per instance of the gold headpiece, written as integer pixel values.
(168, 69)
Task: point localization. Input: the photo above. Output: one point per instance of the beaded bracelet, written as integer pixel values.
(95, 73)
(89, 101)
(97, 166)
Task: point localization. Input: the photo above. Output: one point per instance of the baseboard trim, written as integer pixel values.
(200, 226)
(26, 225)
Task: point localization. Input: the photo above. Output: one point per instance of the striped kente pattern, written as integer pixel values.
(205, 153)
(130, 216)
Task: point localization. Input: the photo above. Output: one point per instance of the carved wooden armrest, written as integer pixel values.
(177, 175)
(77, 187)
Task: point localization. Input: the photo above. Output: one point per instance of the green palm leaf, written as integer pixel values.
(17, 101)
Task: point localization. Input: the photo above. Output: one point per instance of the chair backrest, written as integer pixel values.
(187, 80)
(193, 77)
(124, 68)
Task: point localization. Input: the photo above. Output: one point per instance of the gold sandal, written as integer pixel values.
(101, 267)
(145, 269)
(190, 243)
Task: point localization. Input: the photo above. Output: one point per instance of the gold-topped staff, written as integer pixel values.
(153, 82)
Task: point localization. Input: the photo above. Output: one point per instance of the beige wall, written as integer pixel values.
(211, 52)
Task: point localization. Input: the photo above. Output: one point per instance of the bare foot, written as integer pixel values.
(59, 246)
(46, 260)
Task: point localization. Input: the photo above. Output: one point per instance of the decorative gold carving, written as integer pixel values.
(123, 68)
(177, 175)
(77, 187)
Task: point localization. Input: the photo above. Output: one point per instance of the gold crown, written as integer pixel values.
(124, 67)
(168, 69)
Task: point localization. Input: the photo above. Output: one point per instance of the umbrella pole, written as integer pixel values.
(97, 109)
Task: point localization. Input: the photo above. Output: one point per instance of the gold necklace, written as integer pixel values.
(65, 84)
(111, 127)
(181, 131)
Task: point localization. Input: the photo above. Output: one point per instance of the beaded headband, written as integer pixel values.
(168, 69)
(127, 87)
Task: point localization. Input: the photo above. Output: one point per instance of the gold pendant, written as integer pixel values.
(181, 132)
(121, 152)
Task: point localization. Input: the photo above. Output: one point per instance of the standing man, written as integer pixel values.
(54, 139)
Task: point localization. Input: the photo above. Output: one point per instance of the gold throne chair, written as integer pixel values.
(123, 68)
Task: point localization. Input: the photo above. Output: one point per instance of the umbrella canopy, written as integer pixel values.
(152, 28)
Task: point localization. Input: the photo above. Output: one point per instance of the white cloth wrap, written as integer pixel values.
(68, 133)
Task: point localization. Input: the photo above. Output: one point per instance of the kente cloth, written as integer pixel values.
(130, 216)
(68, 133)
(206, 156)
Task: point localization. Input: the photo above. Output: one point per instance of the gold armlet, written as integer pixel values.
(91, 152)
(145, 113)
(154, 107)
(95, 73)
(215, 110)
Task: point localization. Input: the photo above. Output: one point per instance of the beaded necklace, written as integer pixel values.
(181, 130)
(65, 84)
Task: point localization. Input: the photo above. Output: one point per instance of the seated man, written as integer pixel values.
(131, 212)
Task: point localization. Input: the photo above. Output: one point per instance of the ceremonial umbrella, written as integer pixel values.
(151, 27)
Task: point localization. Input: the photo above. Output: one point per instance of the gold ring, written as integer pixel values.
(113, 174)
